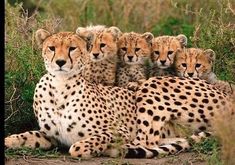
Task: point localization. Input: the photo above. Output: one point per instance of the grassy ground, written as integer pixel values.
(206, 152)
(207, 24)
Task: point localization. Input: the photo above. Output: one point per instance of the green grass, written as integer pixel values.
(39, 153)
(209, 150)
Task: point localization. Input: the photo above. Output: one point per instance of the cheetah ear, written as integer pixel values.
(40, 36)
(115, 31)
(85, 34)
(148, 36)
(183, 40)
(179, 52)
(210, 54)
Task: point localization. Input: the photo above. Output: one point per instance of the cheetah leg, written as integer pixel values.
(92, 146)
(31, 139)
(150, 136)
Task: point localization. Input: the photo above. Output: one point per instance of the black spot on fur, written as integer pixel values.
(212, 94)
(198, 94)
(156, 118)
(194, 100)
(80, 134)
(209, 108)
(156, 133)
(177, 103)
(144, 90)
(176, 90)
(188, 87)
(146, 123)
(165, 90)
(142, 109)
(172, 81)
(215, 101)
(149, 101)
(161, 108)
(200, 111)
(177, 147)
(153, 86)
(77, 148)
(183, 97)
(164, 149)
(191, 114)
(150, 112)
(205, 100)
(47, 126)
(166, 97)
(37, 145)
(139, 99)
(157, 98)
(202, 128)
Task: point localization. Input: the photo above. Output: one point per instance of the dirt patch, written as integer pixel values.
(181, 159)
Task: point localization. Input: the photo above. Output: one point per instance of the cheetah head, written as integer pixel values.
(194, 62)
(102, 41)
(134, 48)
(63, 52)
(164, 49)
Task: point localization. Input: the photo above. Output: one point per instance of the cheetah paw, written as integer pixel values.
(133, 86)
(12, 142)
(78, 150)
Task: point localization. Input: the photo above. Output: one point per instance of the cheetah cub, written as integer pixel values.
(196, 62)
(164, 49)
(100, 68)
(133, 52)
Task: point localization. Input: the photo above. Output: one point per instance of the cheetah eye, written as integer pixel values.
(52, 48)
(184, 64)
(124, 49)
(102, 45)
(170, 52)
(137, 49)
(157, 52)
(72, 48)
(198, 65)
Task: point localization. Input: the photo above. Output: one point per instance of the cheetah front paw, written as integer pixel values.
(31, 139)
(133, 86)
(12, 142)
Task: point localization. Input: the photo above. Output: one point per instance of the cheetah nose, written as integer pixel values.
(95, 55)
(130, 57)
(190, 74)
(60, 62)
(163, 61)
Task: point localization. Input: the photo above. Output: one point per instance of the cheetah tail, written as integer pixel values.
(165, 149)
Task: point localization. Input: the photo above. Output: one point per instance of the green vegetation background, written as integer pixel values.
(207, 24)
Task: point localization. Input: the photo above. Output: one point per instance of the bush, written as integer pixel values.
(23, 68)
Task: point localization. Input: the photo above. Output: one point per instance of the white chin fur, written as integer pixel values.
(163, 66)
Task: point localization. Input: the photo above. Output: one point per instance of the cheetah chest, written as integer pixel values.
(63, 111)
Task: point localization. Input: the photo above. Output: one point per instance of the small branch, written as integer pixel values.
(10, 101)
